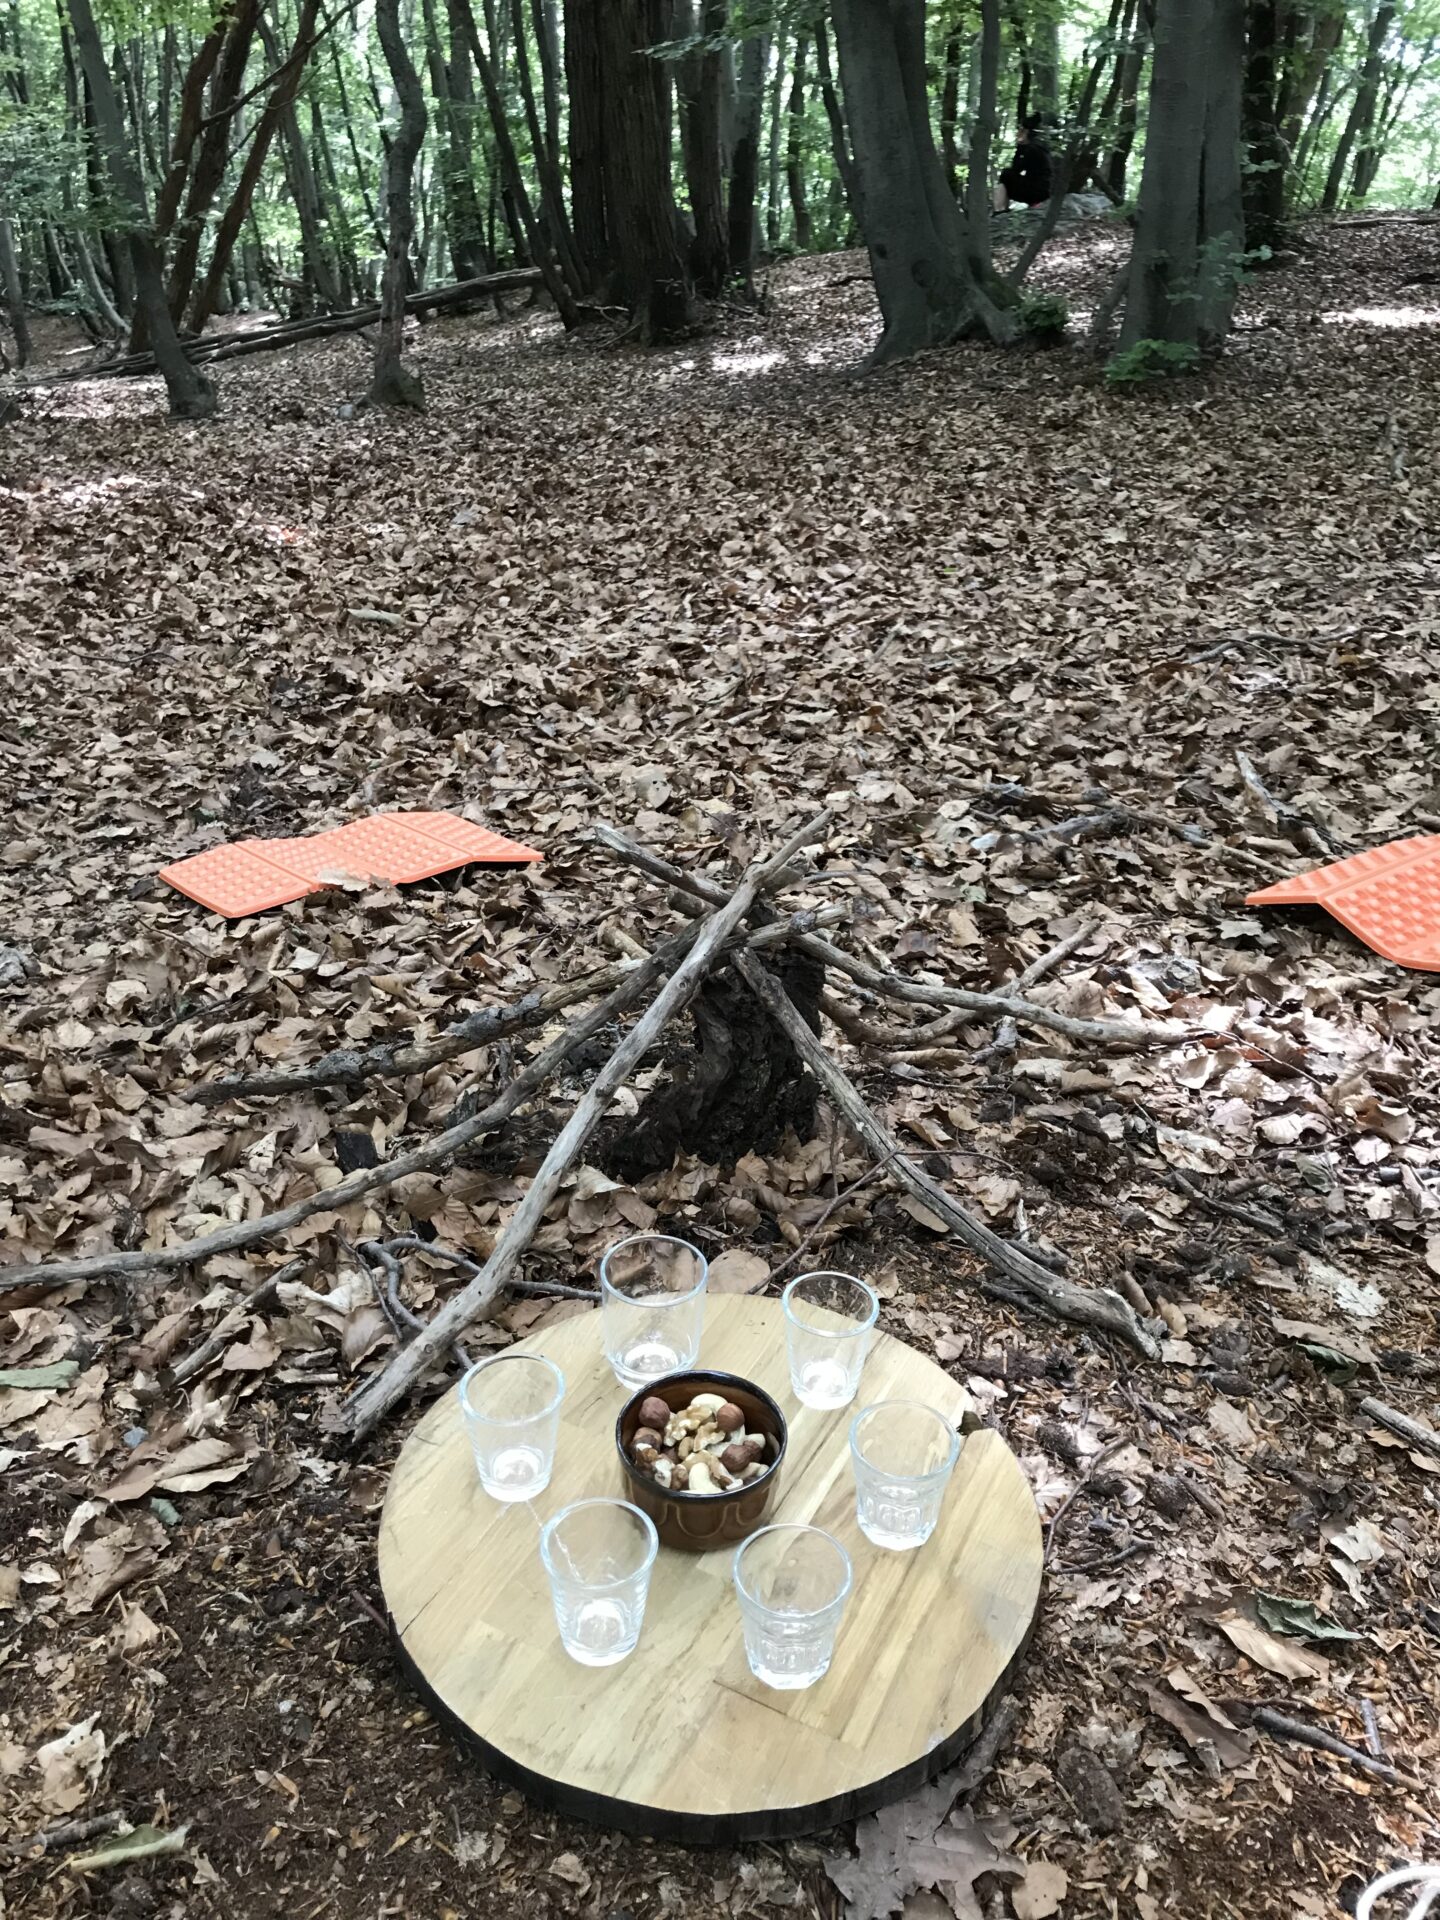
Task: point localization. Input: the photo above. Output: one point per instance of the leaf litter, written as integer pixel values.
(659, 592)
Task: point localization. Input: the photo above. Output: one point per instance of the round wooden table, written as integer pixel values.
(679, 1741)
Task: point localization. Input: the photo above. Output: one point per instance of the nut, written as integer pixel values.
(645, 1458)
(700, 1480)
(664, 1472)
(687, 1446)
(709, 1436)
(753, 1472)
(680, 1476)
(647, 1437)
(654, 1413)
(736, 1458)
(718, 1471)
(729, 1418)
(707, 1403)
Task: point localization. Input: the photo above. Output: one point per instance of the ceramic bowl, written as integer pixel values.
(695, 1522)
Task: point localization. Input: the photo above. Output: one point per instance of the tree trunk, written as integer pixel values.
(700, 78)
(1266, 153)
(452, 166)
(983, 128)
(772, 147)
(547, 47)
(1190, 226)
(282, 94)
(191, 395)
(651, 277)
(461, 79)
(795, 148)
(1362, 111)
(583, 74)
(745, 155)
(211, 152)
(304, 191)
(835, 118)
(1045, 65)
(362, 184)
(1125, 113)
(1399, 82)
(12, 291)
(950, 103)
(393, 385)
(919, 249)
(554, 219)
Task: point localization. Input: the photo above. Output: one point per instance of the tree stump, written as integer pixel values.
(736, 1091)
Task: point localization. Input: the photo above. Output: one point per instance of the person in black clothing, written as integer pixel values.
(1029, 177)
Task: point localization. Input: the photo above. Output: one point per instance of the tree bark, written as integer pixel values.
(1123, 111)
(1362, 110)
(584, 81)
(795, 147)
(1267, 155)
(211, 153)
(393, 384)
(835, 118)
(1190, 227)
(547, 47)
(950, 103)
(772, 146)
(554, 219)
(192, 396)
(651, 276)
(701, 77)
(920, 253)
(745, 156)
(12, 291)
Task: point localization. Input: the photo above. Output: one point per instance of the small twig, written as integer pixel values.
(401, 1319)
(235, 1318)
(1313, 836)
(1203, 1498)
(979, 1762)
(1415, 1431)
(1106, 1453)
(536, 1289)
(65, 1834)
(1285, 1728)
(1372, 1730)
(1266, 1223)
(839, 1201)
(1052, 956)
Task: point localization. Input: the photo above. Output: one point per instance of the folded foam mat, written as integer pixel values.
(247, 876)
(1389, 897)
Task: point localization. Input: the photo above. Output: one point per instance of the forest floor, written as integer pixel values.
(694, 593)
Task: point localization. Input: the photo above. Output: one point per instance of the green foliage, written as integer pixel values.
(1150, 360)
(1043, 317)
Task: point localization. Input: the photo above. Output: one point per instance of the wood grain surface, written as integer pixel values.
(680, 1740)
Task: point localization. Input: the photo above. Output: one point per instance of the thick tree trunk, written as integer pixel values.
(1362, 111)
(795, 148)
(1190, 227)
(745, 155)
(191, 395)
(589, 216)
(1045, 65)
(651, 277)
(919, 249)
(12, 292)
(700, 79)
(393, 385)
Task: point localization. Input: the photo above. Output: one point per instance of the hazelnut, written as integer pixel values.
(729, 1418)
(647, 1437)
(718, 1471)
(736, 1459)
(755, 1446)
(654, 1412)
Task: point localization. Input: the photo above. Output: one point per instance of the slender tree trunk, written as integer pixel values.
(701, 78)
(950, 102)
(554, 218)
(12, 291)
(362, 185)
(1398, 87)
(1362, 111)
(745, 155)
(451, 165)
(1045, 65)
(920, 253)
(192, 396)
(104, 305)
(982, 135)
(795, 148)
(393, 384)
(1266, 153)
(583, 73)
(282, 95)
(651, 276)
(1190, 227)
(772, 147)
(1126, 113)
(211, 152)
(304, 192)
(461, 74)
(187, 127)
(835, 119)
(547, 48)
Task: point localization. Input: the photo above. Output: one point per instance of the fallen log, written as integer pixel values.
(369, 1405)
(231, 346)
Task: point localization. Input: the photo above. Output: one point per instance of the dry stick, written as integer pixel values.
(1415, 1431)
(1247, 1216)
(66, 1834)
(351, 1067)
(1285, 1728)
(1323, 844)
(1083, 1306)
(891, 985)
(813, 1235)
(197, 1361)
(394, 1308)
(374, 1399)
(249, 1233)
(1106, 1453)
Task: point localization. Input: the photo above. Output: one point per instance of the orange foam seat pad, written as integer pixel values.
(1389, 897)
(247, 876)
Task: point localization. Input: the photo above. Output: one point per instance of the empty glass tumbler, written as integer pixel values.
(598, 1555)
(792, 1583)
(903, 1454)
(829, 1318)
(511, 1406)
(652, 1291)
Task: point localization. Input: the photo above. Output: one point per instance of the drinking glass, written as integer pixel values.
(652, 1290)
(511, 1405)
(792, 1582)
(598, 1555)
(903, 1453)
(828, 1322)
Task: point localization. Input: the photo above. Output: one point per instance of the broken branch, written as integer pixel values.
(373, 1400)
(1284, 1728)
(1415, 1431)
(1083, 1306)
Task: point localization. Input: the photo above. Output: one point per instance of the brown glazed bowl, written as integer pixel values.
(695, 1522)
